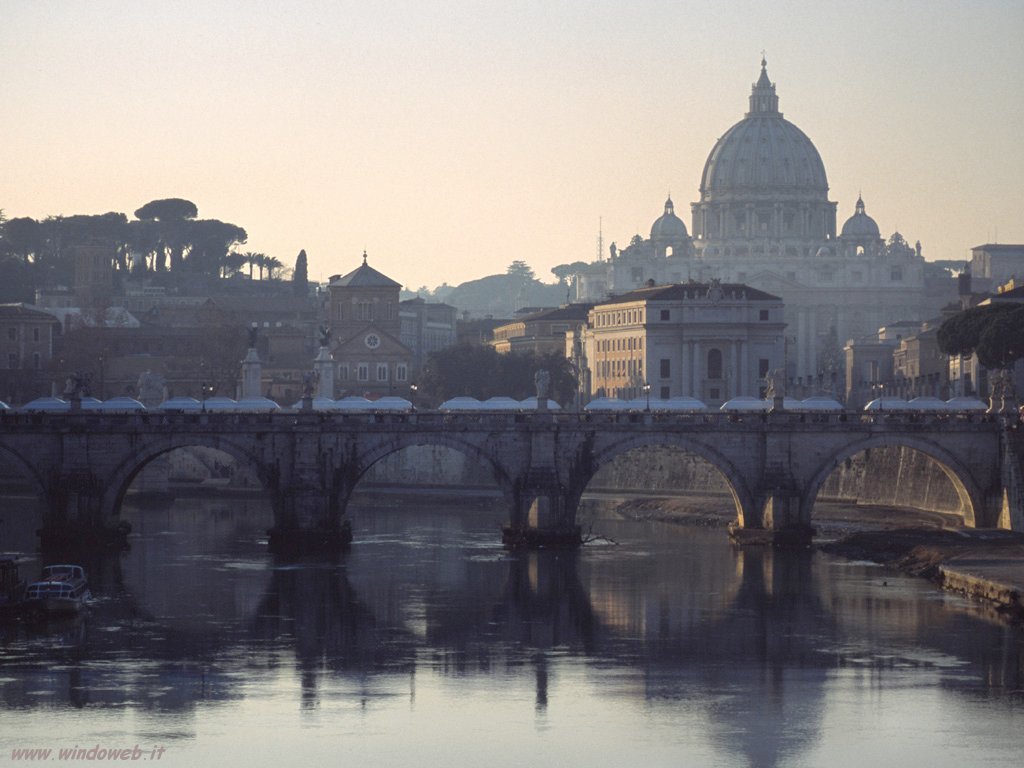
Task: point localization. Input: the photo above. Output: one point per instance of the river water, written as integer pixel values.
(429, 645)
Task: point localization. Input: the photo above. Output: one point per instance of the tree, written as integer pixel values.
(24, 237)
(210, 241)
(481, 372)
(171, 216)
(567, 271)
(273, 266)
(300, 278)
(994, 331)
(521, 270)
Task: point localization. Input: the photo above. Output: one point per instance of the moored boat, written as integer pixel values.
(61, 589)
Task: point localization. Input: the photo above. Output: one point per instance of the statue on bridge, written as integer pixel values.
(76, 385)
(309, 380)
(151, 388)
(542, 381)
(775, 384)
(1001, 397)
(254, 332)
(325, 335)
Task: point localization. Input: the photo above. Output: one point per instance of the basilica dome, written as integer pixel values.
(860, 225)
(764, 155)
(669, 227)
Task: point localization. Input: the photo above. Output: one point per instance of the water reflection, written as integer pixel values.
(673, 638)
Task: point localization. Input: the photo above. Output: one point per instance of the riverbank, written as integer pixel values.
(985, 565)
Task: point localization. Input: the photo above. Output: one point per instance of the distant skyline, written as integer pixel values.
(450, 140)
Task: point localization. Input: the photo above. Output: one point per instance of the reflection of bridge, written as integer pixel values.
(82, 463)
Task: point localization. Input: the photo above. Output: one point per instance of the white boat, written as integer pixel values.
(61, 589)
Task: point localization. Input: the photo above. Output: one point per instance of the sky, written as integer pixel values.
(449, 139)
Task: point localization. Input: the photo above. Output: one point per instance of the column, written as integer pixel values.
(731, 389)
(251, 374)
(695, 372)
(743, 385)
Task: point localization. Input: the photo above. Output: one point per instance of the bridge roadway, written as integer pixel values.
(82, 463)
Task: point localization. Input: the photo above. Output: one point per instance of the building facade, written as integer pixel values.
(540, 332)
(712, 341)
(426, 327)
(366, 327)
(764, 219)
(26, 352)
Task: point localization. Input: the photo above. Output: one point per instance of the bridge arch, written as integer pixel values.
(372, 454)
(608, 450)
(28, 469)
(117, 483)
(967, 490)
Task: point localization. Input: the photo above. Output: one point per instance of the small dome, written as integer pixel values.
(669, 227)
(860, 225)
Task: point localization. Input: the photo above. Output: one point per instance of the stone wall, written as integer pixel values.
(897, 477)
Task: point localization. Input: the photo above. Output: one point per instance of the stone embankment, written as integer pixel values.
(982, 564)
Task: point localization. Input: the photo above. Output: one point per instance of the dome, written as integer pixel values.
(764, 154)
(860, 224)
(669, 227)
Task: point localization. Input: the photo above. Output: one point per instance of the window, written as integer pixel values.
(714, 363)
(382, 371)
(35, 360)
(763, 315)
(343, 372)
(365, 310)
(664, 393)
(897, 274)
(363, 372)
(35, 334)
(666, 368)
(401, 372)
(762, 367)
(12, 334)
(665, 315)
(12, 360)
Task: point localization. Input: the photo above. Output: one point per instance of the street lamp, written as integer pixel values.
(647, 394)
(413, 389)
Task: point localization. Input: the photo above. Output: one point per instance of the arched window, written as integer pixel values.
(714, 363)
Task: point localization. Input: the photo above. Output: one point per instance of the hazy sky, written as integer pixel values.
(449, 139)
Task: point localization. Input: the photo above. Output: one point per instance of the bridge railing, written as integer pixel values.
(22, 420)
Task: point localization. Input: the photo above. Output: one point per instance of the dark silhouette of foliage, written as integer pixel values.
(521, 270)
(566, 271)
(170, 209)
(994, 331)
(481, 372)
(300, 278)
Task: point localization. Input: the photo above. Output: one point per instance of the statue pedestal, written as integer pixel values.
(324, 367)
(252, 374)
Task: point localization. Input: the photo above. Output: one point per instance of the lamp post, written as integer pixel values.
(413, 389)
(647, 394)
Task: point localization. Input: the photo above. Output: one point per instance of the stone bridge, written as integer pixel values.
(82, 463)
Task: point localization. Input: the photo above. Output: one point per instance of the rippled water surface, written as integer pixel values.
(429, 645)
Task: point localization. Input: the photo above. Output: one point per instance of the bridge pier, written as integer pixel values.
(778, 520)
(305, 522)
(306, 501)
(541, 516)
(73, 516)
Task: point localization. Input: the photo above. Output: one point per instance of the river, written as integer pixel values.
(427, 644)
